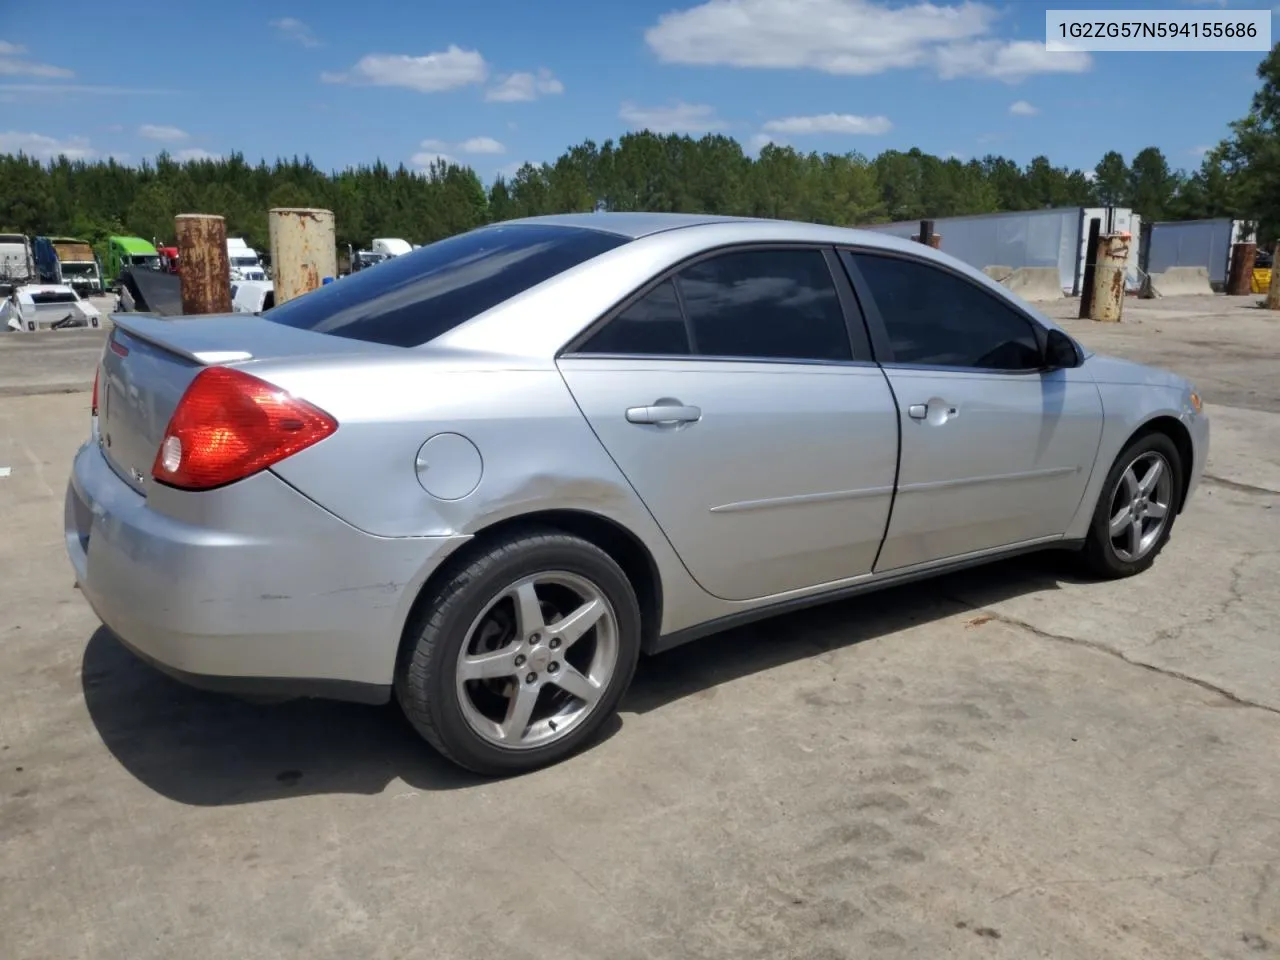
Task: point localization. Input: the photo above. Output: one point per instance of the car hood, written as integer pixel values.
(1107, 369)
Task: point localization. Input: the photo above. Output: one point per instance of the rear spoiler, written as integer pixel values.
(161, 332)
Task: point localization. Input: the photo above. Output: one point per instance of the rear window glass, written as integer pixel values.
(416, 297)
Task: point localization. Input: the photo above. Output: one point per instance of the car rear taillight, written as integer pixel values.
(230, 425)
(93, 404)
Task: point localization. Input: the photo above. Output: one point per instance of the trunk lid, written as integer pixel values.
(150, 361)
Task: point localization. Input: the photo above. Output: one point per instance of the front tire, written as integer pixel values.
(520, 655)
(1136, 509)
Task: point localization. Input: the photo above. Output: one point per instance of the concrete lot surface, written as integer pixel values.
(1004, 763)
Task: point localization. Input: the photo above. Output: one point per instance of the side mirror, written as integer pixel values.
(1060, 351)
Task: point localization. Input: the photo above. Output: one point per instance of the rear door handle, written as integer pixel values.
(664, 413)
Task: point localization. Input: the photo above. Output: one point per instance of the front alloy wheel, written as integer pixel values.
(1140, 506)
(1137, 508)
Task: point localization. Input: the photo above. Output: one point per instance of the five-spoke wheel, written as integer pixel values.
(522, 651)
(1137, 508)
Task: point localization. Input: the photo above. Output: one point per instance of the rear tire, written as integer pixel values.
(521, 654)
(1136, 508)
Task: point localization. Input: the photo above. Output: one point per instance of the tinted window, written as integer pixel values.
(935, 318)
(416, 297)
(765, 303)
(651, 325)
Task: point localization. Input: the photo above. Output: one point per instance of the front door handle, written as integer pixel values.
(920, 411)
(664, 413)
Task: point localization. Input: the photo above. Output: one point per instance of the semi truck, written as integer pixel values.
(17, 264)
(66, 260)
(243, 260)
(133, 252)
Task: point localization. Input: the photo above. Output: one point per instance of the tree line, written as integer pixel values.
(644, 171)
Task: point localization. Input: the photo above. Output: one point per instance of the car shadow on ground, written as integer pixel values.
(208, 749)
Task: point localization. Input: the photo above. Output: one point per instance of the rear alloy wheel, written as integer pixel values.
(1135, 513)
(523, 654)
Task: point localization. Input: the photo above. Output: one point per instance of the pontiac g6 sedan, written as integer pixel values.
(485, 477)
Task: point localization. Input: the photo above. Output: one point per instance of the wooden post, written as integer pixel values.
(206, 272)
(1090, 268)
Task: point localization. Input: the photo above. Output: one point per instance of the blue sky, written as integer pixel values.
(494, 83)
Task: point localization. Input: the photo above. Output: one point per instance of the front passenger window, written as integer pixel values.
(935, 318)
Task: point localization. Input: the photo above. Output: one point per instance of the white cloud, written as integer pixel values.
(852, 38)
(161, 133)
(1021, 108)
(12, 64)
(481, 145)
(830, 123)
(426, 158)
(511, 169)
(44, 147)
(195, 153)
(679, 117)
(447, 151)
(1090, 175)
(525, 86)
(291, 28)
(1007, 61)
(431, 73)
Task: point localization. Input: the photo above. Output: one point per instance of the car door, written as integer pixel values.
(996, 449)
(738, 397)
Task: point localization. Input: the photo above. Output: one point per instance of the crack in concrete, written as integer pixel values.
(1120, 655)
(1238, 486)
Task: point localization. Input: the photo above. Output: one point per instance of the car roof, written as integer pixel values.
(721, 229)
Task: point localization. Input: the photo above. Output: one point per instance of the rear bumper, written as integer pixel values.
(263, 594)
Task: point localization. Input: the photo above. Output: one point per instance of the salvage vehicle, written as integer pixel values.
(243, 261)
(17, 262)
(128, 252)
(47, 306)
(483, 478)
(70, 261)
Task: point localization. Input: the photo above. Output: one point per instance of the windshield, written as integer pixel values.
(145, 260)
(78, 269)
(244, 261)
(418, 296)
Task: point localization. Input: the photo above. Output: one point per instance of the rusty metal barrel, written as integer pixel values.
(1240, 276)
(303, 250)
(1109, 277)
(205, 273)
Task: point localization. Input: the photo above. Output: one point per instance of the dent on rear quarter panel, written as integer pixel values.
(538, 454)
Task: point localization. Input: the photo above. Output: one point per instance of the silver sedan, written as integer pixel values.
(485, 477)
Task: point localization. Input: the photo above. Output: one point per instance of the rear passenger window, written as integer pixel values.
(770, 304)
(653, 325)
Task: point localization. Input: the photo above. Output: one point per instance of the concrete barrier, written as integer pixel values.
(1178, 282)
(1030, 283)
